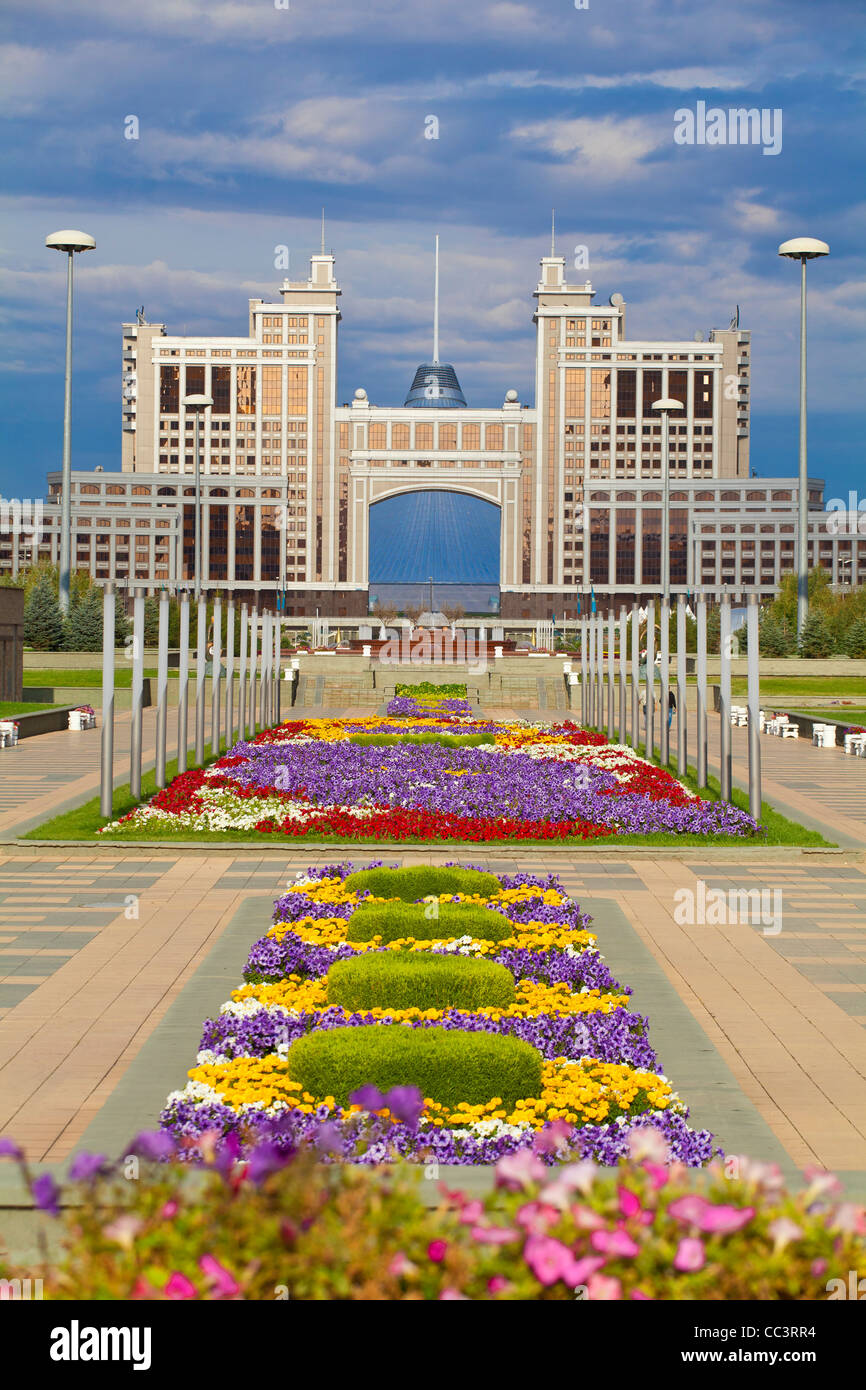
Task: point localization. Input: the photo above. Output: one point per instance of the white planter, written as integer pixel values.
(80, 721)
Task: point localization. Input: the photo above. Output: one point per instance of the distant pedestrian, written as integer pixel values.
(672, 706)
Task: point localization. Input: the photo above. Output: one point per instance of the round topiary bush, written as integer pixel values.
(447, 1065)
(392, 921)
(420, 880)
(418, 980)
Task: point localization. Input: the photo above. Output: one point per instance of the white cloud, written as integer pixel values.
(755, 216)
(604, 148)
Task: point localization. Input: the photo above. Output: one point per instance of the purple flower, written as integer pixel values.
(9, 1149)
(45, 1194)
(154, 1145)
(369, 1096)
(85, 1167)
(406, 1104)
(265, 1159)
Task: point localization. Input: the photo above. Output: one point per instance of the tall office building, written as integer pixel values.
(567, 490)
(573, 477)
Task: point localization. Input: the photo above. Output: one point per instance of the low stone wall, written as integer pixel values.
(44, 721)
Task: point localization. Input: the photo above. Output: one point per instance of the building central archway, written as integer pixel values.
(450, 537)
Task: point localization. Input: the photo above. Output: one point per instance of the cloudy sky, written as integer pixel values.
(253, 114)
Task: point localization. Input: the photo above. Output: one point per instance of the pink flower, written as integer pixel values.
(821, 1184)
(436, 1251)
(616, 1242)
(710, 1217)
(585, 1267)
(493, 1235)
(604, 1289)
(519, 1170)
(179, 1287)
(170, 1210)
(577, 1177)
(552, 1137)
(452, 1296)
(497, 1284)
(848, 1217)
(123, 1230)
(783, 1231)
(629, 1202)
(658, 1175)
(690, 1255)
(551, 1261)
(639, 1296)
(222, 1280)
(471, 1212)
(647, 1143)
(585, 1219)
(401, 1267)
(817, 1268)
(536, 1216)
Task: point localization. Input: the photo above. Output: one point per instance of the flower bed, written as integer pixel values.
(531, 782)
(288, 1227)
(596, 1075)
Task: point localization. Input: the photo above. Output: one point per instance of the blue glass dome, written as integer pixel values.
(436, 385)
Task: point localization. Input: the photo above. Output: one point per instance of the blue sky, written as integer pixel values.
(252, 117)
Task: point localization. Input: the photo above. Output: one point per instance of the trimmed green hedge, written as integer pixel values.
(392, 921)
(446, 740)
(443, 692)
(447, 1065)
(418, 980)
(420, 880)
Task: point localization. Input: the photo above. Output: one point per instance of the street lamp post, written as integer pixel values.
(664, 408)
(71, 242)
(803, 249)
(197, 404)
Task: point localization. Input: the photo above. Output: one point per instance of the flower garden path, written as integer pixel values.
(111, 957)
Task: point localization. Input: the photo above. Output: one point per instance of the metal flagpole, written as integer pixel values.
(635, 675)
(754, 699)
(682, 750)
(183, 684)
(216, 663)
(162, 689)
(701, 753)
(242, 675)
(137, 694)
(106, 767)
(650, 678)
(230, 673)
(725, 700)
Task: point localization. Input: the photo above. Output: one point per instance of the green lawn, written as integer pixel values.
(9, 708)
(92, 677)
(841, 714)
(50, 677)
(824, 687)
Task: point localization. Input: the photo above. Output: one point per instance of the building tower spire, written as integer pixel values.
(553, 231)
(436, 299)
(323, 231)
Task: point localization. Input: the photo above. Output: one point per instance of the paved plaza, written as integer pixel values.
(112, 956)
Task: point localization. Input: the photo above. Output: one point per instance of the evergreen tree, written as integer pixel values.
(816, 639)
(43, 621)
(121, 622)
(776, 636)
(84, 624)
(151, 622)
(855, 638)
(714, 630)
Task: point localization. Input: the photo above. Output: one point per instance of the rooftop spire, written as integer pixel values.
(323, 231)
(436, 299)
(553, 231)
